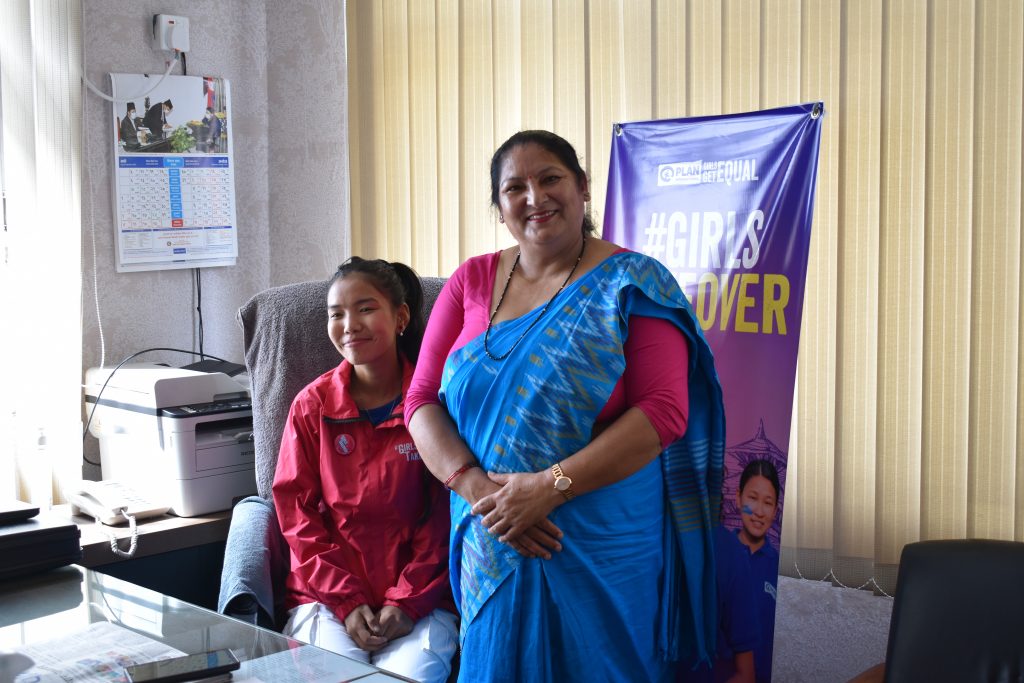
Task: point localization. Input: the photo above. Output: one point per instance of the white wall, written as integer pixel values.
(307, 90)
(290, 161)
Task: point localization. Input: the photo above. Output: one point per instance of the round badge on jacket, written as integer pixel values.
(345, 444)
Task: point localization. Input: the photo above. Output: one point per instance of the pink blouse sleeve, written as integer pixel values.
(655, 380)
(443, 328)
(459, 315)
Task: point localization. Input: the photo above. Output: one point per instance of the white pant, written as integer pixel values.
(425, 654)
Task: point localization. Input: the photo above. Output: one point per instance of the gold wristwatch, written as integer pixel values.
(563, 484)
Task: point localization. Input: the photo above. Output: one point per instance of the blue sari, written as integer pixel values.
(632, 591)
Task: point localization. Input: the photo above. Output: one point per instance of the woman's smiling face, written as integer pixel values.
(540, 200)
(757, 503)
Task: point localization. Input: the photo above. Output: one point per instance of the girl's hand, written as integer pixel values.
(363, 628)
(517, 512)
(394, 623)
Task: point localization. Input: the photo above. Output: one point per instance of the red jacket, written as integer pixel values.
(350, 498)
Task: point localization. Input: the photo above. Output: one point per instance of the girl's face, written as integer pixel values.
(362, 323)
(757, 504)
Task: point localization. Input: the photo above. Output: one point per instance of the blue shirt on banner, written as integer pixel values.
(764, 571)
(738, 629)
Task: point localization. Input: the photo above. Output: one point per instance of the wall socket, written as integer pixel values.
(170, 32)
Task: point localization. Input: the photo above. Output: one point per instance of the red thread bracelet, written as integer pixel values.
(456, 473)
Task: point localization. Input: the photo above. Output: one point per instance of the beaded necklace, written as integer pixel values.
(504, 291)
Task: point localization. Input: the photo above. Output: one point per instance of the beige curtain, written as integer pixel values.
(40, 271)
(911, 383)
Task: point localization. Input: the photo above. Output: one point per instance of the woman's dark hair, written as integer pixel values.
(401, 285)
(761, 468)
(555, 144)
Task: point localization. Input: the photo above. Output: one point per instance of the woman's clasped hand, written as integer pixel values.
(517, 512)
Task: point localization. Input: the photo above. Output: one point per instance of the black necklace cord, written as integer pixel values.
(490, 323)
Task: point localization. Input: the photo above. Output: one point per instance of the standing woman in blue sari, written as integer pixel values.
(566, 396)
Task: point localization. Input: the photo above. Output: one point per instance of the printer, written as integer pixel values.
(177, 436)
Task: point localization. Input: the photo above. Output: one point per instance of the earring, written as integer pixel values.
(501, 219)
(586, 196)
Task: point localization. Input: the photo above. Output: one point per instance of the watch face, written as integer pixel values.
(563, 483)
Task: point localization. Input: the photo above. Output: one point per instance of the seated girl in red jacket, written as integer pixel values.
(366, 523)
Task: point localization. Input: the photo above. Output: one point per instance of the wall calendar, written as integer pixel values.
(174, 187)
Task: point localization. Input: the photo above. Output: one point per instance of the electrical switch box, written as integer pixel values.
(170, 32)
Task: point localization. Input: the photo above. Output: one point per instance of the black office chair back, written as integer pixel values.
(958, 614)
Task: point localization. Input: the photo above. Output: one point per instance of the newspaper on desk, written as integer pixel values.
(99, 653)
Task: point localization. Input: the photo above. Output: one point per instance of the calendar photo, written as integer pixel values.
(174, 172)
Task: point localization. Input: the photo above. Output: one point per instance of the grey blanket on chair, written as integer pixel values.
(284, 330)
(255, 561)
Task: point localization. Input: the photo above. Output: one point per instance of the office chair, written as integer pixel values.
(958, 614)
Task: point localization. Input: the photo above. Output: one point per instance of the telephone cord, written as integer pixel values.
(113, 539)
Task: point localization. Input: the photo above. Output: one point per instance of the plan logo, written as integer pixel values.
(698, 172)
(681, 173)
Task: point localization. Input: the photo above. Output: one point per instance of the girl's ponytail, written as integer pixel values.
(412, 337)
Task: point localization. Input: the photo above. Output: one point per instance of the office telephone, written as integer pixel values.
(104, 501)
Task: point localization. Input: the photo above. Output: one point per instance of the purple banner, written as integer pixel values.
(725, 202)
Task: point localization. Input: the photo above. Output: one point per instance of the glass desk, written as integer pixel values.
(81, 621)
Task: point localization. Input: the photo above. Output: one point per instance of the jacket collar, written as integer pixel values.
(339, 404)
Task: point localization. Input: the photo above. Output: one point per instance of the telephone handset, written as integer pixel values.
(104, 501)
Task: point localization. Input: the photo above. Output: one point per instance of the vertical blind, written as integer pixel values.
(40, 275)
(907, 422)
